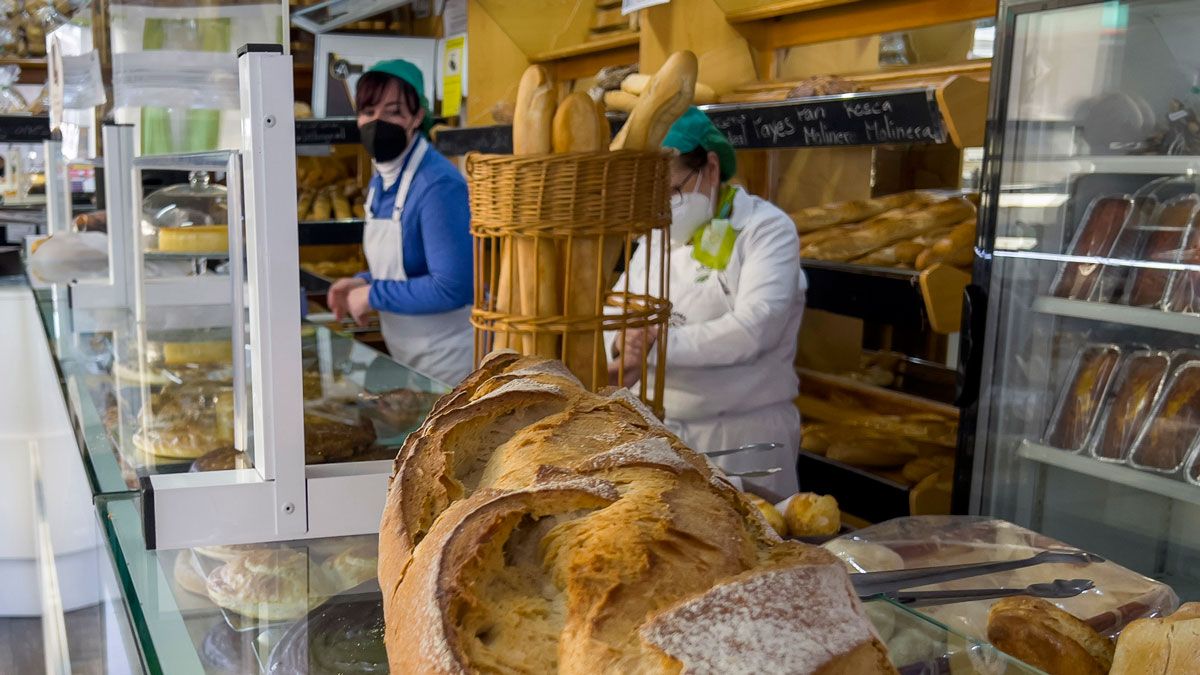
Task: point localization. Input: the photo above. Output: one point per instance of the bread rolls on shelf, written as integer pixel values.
(956, 248)
(889, 228)
(532, 526)
(819, 217)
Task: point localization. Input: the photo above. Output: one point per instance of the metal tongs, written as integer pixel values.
(892, 584)
(752, 447)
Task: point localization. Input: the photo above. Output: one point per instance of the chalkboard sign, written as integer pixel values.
(327, 131)
(24, 128)
(495, 139)
(901, 117)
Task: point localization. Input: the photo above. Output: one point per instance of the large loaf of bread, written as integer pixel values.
(889, 227)
(532, 526)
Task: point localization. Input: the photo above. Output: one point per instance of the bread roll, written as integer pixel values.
(889, 228)
(576, 125)
(620, 101)
(188, 575)
(704, 95)
(1163, 646)
(1044, 636)
(955, 248)
(635, 83)
(772, 514)
(352, 566)
(919, 468)
(820, 217)
(812, 515)
(534, 113)
(667, 96)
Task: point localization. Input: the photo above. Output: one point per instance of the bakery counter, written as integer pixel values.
(315, 607)
(157, 397)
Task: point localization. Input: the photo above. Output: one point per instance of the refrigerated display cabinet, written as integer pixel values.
(1083, 325)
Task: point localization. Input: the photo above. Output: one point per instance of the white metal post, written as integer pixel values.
(123, 224)
(58, 189)
(273, 267)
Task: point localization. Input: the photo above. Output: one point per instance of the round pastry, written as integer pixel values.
(1044, 636)
(188, 575)
(268, 584)
(226, 553)
(812, 515)
(863, 556)
(339, 638)
(354, 565)
(221, 459)
(772, 514)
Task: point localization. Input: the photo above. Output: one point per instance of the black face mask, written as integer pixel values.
(383, 140)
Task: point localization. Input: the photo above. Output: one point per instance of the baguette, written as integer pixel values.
(304, 205)
(341, 207)
(668, 96)
(839, 213)
(821, 235)
(534, 115)
(537, 258)
(900, 253)
(955, 248)
(576, 125)
(636, 83)
(322, 207)
(889, 228)
(604, 129)
(621, 101)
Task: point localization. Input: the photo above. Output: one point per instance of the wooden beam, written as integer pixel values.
(741, 12)
(857, 19)
(589, 48)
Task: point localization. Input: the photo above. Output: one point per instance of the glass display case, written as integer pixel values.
(1088, 259)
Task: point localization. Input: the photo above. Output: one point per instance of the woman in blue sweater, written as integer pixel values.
(417, 238)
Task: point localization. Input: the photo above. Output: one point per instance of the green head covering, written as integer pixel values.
(412, 75)
(694, 130)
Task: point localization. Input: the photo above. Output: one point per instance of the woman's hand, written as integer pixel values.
(629, 362)
(359, 301)
(338, 296)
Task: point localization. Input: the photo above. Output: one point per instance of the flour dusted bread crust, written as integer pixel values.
(534, 527)
(1042, 635)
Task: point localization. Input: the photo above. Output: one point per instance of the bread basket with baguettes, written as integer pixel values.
(557, 220)
(534, 526)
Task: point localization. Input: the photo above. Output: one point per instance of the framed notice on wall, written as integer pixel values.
(341, 59)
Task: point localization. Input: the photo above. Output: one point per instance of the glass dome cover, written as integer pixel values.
(195, 203)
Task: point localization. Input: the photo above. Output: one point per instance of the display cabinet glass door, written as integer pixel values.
(1090, 242)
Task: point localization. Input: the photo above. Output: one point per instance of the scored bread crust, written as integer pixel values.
(268, 584)
(489, 563)
(1039, 633)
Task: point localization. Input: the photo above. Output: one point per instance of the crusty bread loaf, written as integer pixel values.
(891, 227)
(621, 101)
(534, 113)
(667, 96)
(576, 125)
(1163, 646)
(1044, 636)
(536, 527)
(827, 215)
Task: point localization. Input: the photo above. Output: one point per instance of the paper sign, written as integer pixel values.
(453, 53)
(630, 6)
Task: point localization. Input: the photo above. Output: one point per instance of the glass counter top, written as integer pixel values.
(157, 397)
(189, 618)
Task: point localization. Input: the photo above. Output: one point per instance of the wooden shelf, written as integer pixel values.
(1113, 473)
(33, 69)
(1123, 314)
(604, 44)
(741, 11)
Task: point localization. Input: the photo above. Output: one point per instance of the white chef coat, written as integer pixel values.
(731, 344)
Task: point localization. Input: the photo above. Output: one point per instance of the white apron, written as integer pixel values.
(438, 345)
(704, 300)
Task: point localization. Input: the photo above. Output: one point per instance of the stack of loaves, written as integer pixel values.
(532, 526)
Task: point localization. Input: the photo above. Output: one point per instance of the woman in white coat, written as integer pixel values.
(737, 294)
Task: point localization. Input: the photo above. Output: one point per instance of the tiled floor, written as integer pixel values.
(21, 644)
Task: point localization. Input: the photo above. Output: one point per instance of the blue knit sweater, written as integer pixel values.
(436, 241)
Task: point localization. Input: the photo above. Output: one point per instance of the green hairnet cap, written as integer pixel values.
(694, 130)
(412, 75)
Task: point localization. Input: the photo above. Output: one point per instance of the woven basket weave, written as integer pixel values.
(540, 214)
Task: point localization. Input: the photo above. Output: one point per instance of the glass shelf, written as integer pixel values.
(157, 398)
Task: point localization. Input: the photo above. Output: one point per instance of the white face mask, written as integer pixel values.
(689, 212)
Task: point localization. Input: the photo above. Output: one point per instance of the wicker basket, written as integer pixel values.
(550, 231)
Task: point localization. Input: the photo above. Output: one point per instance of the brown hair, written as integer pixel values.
(372, 87)
(695, 159)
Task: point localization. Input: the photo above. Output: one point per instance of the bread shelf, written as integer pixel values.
(1114, 473)
(588, 48)
(1122, 314)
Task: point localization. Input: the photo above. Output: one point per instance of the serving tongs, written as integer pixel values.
(1059, 588)
(891, 583)
(753, 447)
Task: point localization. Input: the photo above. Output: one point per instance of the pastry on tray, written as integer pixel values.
(354, 565)
(268, 584)
(1163, 646)
(1044, 636)
(188, 575)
